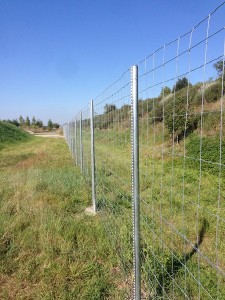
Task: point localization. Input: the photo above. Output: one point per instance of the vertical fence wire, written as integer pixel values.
(182, 166)
(113, 172)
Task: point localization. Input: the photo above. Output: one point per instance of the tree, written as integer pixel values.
(165, 91)
(56, 125)
(39, 123)
(219, 66)
(14, 122)
(109, 107)
(27, 121)
(50, 124)
(180, 84)
(21, 120)
(33, 121)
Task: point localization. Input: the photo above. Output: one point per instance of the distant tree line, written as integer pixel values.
(33, 123)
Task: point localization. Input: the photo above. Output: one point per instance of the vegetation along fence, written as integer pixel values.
(153, 144)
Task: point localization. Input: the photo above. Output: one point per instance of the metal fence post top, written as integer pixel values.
(134, 69)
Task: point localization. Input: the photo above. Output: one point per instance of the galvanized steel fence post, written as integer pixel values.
(135, 182)
(93, 157)
(75, 140)
(70, 136)
(81, 144)
(72, 139)
(66, 132)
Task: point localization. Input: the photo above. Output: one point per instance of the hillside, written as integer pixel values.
(11, 134)
(180, 111)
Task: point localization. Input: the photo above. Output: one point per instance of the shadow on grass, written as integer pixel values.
(175, 264)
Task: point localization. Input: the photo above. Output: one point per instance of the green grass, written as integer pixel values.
(49, 248)
(10, 134)
(179, 197)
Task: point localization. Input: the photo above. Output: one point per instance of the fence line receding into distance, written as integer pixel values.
(152, 147)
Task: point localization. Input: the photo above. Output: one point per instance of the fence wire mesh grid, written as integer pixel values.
(181, 170)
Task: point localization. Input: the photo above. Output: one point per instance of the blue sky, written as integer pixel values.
(57, 55)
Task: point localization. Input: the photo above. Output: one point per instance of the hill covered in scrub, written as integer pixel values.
(190, 109)
(182, 110)
(11, 134)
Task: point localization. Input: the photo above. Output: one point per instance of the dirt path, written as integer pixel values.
(49, 135)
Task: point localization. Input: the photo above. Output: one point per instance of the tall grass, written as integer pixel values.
(182, 247)
(49, 249)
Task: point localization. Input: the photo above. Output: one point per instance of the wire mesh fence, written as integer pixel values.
(110, 120)
(181, 169)
(86, 143)
(113, 173)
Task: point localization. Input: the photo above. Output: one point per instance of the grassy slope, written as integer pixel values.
(11, 134)
(49, 249)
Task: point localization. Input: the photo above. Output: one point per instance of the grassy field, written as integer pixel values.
(49, 249)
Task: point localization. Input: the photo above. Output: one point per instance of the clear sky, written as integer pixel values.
(56, 55)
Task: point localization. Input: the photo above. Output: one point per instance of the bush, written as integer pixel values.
(180, 84)
(211, 122)
(175, 116)
(210, 153)
(186, 100)
(13, 122)
(109, 107)
(165, 91)
(145, 106)
(219, 66)
(212, 93)
(179, 126)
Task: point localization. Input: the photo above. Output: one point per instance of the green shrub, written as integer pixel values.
(145, 106)
(212, 93)
(156, 114)
(180, 84)
(180, 126)
(211, 121)
(175, 115)
(210, 153)
(185, 101)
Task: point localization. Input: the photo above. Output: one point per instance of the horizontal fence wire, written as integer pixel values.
(182, 166)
